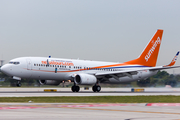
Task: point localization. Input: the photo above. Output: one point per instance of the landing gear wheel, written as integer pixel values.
(96, 88)
(75, 88)
(18, 84)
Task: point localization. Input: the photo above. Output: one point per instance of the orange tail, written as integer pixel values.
(150, 54)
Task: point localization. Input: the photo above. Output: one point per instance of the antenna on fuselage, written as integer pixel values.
(48, 61)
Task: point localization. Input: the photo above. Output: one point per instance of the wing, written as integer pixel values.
(117, 74)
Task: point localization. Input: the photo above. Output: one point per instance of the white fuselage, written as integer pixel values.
(42, 68)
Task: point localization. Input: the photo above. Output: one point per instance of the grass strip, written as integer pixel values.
(95, 99)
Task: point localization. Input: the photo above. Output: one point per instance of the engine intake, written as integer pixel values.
(49, 82)
(85, 79)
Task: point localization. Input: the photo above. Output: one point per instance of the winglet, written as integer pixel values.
(173, 61)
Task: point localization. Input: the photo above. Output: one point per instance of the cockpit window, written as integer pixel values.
(15, 63)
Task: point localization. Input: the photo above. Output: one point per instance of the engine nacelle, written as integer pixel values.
(85, 79)
(49, 82)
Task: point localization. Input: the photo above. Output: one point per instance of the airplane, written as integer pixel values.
(53, 71)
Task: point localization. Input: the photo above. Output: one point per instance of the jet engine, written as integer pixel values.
(85, 79)
(49, 82)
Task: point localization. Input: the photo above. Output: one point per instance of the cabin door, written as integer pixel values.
(29, 64)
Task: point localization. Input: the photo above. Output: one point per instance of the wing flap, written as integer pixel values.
(129, 73)
(126, 73)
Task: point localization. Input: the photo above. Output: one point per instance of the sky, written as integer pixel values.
(101, 30)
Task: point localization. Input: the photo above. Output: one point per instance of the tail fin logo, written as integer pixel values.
(158, 41)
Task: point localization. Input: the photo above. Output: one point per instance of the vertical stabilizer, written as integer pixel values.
(150, 54)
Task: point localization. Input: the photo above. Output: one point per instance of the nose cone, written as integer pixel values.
(5, 69)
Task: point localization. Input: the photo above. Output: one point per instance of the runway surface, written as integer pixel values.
(69, 111)
(28, 92)
(81, 111)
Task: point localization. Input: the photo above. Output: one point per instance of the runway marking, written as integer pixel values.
(163, 104)
(66, 105)
(79, 106)
(123, 110)
(96, 105)
(7, 108)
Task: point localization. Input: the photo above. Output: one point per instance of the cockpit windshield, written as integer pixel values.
(15, 63)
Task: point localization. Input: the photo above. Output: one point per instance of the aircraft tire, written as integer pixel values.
(73, 88)
(98, 88)
(94, 88)
(77, 88)
(18, 84)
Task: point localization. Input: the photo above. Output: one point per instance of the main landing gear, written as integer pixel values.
(96, 88)
(18, 83)
(75, 88)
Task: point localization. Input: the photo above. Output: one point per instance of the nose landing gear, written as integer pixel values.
(18, 83)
